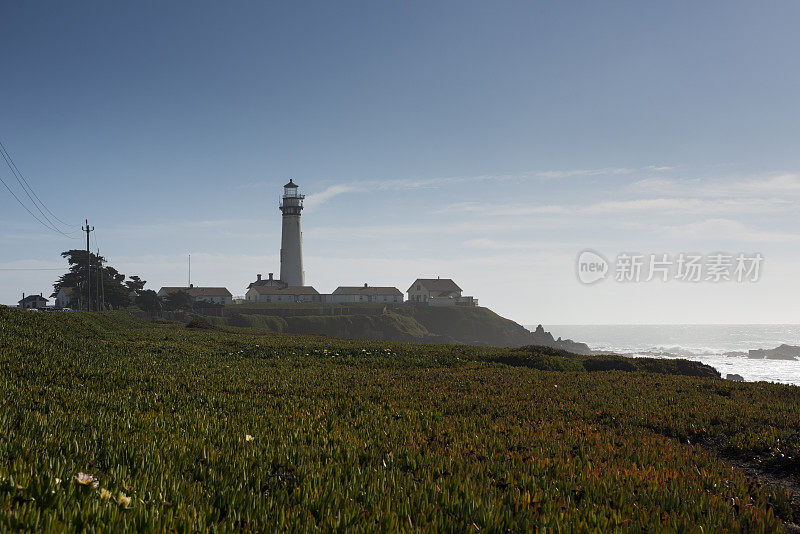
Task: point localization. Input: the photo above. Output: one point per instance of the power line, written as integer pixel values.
(31, 269)
(26, 207)
(28, 191)
(34, 192)
(51, 225)
(19, 173)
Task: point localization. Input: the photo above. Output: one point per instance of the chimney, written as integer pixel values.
(258, 277)
(270, 276)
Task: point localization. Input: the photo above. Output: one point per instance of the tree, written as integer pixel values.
(76, 277)
(109, 288)
(180, 300)
(115, 292)
(148, 301)
(135, 283)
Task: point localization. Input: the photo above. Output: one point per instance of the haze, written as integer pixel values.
(485, 142)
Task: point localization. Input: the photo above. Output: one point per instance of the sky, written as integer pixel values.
(488, 142)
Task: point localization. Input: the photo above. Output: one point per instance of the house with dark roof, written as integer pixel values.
(32, 302)
(216, 295)
(365, 293)
(271, 281)
(438, 292)
(282, 293)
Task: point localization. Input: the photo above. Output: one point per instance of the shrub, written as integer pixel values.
(200, 323)
(676, 367)
(608, 364)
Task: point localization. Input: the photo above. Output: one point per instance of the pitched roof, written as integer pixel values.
(267, 282)
(32, 298)
(291, 183)
(198, 291)
(367, 290)
(291, 290)
(170, 290)
(67, 291)
(209, 292)
(436, 284)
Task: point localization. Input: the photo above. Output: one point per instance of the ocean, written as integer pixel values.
(721, 346)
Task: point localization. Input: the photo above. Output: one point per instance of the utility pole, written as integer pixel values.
(102, 298)
(88, 267)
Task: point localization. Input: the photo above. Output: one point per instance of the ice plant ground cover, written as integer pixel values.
(109, 422)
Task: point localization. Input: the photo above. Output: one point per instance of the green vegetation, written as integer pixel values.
(387, 325)
(393, 322)
(110, 422)
(267, 322)
(307, 305)
(468, 325)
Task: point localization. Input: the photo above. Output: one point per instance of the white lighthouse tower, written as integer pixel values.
(291, 236)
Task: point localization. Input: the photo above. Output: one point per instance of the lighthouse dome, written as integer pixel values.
(290, 190)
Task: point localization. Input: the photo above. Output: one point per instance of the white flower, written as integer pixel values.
(86, 479)
(105, 494)
(248, 437)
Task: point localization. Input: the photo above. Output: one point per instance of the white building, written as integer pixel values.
(291, 236)
(216, 295)
(66, 297)
(283, 294)
(438, 292)
(365, 293)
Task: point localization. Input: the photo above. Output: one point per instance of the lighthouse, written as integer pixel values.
(291, 236)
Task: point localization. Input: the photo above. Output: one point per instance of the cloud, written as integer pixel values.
(401, 231)
(613, 207)
(410, 183)
(657, 168)
(782, 183)
(314, 200)
(769, 185)
(685, 205)
(728, 229)
(583, 172)
(494, 244)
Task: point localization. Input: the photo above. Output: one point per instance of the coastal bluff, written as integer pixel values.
(405, 323)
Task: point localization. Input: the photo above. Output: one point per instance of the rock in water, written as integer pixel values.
(735, 378)
(782, 352)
